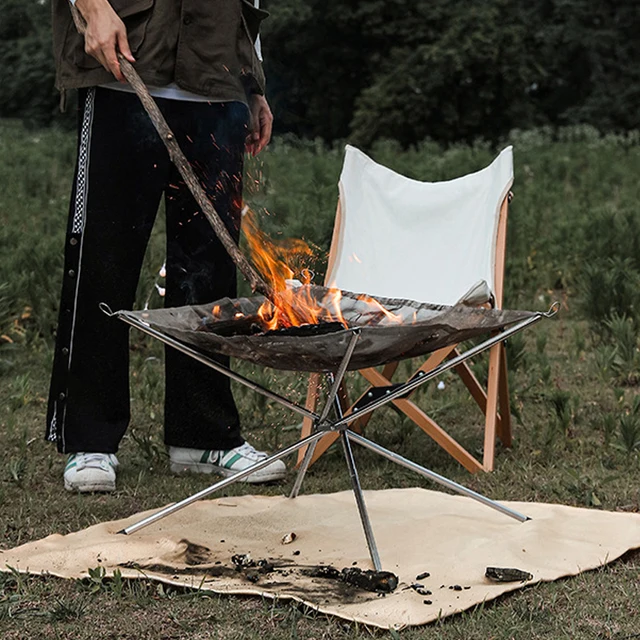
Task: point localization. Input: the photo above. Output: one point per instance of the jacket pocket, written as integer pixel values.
(135, 16)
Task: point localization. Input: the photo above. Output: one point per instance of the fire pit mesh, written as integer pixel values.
(235, 330)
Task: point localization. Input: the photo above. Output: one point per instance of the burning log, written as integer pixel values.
(236, 326)
(307, 330)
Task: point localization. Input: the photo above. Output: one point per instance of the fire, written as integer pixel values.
(285, 267)
(294, 307)
(277, 263)
(392, 317)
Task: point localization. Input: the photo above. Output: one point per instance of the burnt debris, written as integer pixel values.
(252, 569)
(420, 590)
(507, 574)
(376, 581)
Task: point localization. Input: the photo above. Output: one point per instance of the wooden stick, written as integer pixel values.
(188, 175)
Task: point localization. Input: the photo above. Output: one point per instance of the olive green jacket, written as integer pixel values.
(204, 46)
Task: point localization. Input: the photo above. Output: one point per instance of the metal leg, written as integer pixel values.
(339, 376)
(333, 393)
(302, 471)
(163, 513)
(362, 507)
(445, 482)
(322, 427)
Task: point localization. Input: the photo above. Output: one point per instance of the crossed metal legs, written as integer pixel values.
(322, 426)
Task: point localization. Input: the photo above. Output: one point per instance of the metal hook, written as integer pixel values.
(105, 308)
(307, 273)
(553, 309)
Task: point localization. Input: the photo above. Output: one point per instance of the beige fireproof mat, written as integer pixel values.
(452, 538)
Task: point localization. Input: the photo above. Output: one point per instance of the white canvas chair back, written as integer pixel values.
(427, 241)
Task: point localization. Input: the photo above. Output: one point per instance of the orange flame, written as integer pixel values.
(392, 317)
(277, 263)
(284, 266)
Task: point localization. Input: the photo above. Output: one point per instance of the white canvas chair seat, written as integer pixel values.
(436, 242)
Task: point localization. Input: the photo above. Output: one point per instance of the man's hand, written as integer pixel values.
(105, 35)
(260, 125)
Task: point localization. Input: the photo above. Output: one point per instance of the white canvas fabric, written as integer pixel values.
(427, 241)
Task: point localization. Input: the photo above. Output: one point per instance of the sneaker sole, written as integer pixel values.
(257, 477)
(103, 487)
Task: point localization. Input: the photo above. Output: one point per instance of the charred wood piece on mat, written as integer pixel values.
(506, 574)
(377, 581)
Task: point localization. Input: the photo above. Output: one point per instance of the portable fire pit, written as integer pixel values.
(403, 330)
(311, 328)
(351, 334)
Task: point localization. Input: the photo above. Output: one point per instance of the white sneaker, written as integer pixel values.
(90, 472)
(226, 462)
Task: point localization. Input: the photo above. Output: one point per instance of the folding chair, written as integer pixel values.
(437, 242)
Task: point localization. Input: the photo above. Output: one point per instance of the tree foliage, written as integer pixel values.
(27, 68)
(449, 70)
(452, 69)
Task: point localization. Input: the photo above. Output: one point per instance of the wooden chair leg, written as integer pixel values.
(428, 425)
(436, 358)
(439, 435)
(495, 423)
(313, 390)
(504, 425)
(475, 389)
(491, 417)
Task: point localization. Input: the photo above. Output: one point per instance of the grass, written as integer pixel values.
(574, 383)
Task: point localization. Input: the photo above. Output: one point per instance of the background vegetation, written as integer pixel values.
(449, 70)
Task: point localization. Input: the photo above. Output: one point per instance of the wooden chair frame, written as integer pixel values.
(493, 401)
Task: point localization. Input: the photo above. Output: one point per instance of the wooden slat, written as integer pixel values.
(492, 408)
(504, 425)
(475, 388)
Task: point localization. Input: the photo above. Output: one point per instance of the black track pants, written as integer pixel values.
(123, 171)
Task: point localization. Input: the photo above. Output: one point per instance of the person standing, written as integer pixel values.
(200, 62)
